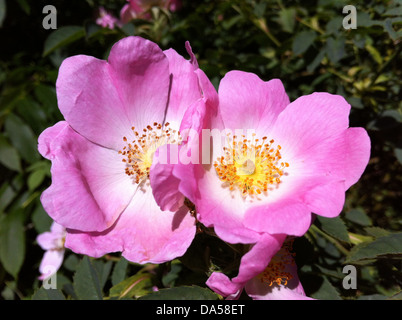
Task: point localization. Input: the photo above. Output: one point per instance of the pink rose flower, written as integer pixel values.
(135, 9)
(131, 10)
(278, 279)
(53, 243)
(276, 163)
(107, 20)
(118, 114)
(173, 5)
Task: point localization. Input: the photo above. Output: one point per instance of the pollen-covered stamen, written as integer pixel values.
(275, 272)
(251, 165)
(138, 154)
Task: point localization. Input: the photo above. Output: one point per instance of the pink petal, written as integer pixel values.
(174, 5)
(247, 102)
(102, 100)
(251, 265)
(47, 240)
(326, 200)
(58, 229)
(259, 256)
(343, 157)
(288, 208)
(185, 89)
(218, 208)
(143, 233)
(53, 239)
(290, 216)
(193, 59)
(358, 154)
(185, 173)
(293, 290)
(310, 120)
(51, 262)
(195, 118)
(136, 5)
(89, 186)
(221, 284)
(169, 186)
(185, 111)
(140, 71)
(127, 13)
(165, 186)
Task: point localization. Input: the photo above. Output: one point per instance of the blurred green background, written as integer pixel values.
(303, 43)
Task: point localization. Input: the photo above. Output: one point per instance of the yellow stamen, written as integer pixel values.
(139, 153)
(275, 272)
(250, 166)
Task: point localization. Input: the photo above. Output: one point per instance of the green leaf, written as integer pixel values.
(182, 293)
(7, 194)
(86, 281)
(335, 227)
(9, 157)
(135, 286)
(388, 28)
(364, 20)
(358, 216)
(71, 262)
(230, 22)
(32, 113)
(387, 120)
(8, 293)
(376, 232)
(46, 95)
(356, 238)
(287, 18)
(398, 154)
(62, 37)
(317, 60)
(12, 241)
(35, 179)
(103, 269)
(303, 41)
(41, 219)
(22, 138)
(48, 294)
(169, 279)
(259, 9)
(375, 54)
(334, 25)
(24, 6)
(3, 10)
(129, 29)
(397, 296)
(386, 245)
(326, 291)
(119, 271)
(335, 49)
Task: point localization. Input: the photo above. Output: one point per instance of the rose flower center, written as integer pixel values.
(276, 272)
(138, 154)
(250, 165)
